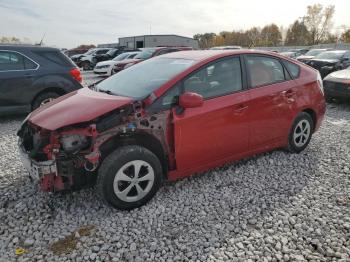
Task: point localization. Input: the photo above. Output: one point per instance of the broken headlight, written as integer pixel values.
(73, 143)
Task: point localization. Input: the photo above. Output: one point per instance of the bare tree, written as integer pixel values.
(319, 21)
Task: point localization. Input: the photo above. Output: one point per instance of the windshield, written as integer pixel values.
(91, 51)
(111, 52)
(120, 57)
(314, 52)
(140, 80)
(145, 54)
(330, 55)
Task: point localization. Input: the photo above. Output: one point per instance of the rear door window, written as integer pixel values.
(10, 61)
(293, 69)
(264, 70)
(56, 57)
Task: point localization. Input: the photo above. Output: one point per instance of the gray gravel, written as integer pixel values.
(272, 207)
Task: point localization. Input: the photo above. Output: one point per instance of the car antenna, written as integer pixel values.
(42, 39)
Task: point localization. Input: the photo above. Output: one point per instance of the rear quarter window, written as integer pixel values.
(56, 57)
(293, 69)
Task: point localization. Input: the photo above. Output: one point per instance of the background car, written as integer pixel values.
(114, 52)
(290, 54)
(311, 54)
(86, 61)
(299, 51)
(147, 53)
(330, 61)
(228, 47)
(105, 68)
(160, 119)
(337, 85)
(31, 76)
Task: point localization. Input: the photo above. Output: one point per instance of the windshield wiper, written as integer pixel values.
(106, 91)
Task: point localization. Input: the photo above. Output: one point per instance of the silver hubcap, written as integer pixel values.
(133, 181)
(45, 101)
(302, 133)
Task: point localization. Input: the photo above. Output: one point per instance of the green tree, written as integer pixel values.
(297, 34)
(345, 37)
(271, 35)
(205, 40)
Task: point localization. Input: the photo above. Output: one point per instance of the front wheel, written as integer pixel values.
(129, 177)
(300, 133)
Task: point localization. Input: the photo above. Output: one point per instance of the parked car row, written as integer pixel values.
(89, 59)
(131, 58)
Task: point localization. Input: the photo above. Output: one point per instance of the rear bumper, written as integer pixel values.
(343, 93)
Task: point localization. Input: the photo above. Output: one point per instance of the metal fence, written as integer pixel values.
(339, 46)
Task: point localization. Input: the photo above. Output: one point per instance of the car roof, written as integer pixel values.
(26, 47)
(201, 55)
(337, 51)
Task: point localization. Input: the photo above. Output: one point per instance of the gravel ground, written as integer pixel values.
(272, 207)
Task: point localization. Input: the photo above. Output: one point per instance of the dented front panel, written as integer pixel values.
(77, 148)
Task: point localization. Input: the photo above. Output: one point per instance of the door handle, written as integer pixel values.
(240, 108)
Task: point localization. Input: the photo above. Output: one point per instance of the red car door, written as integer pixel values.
(271, 102)
(219, 128)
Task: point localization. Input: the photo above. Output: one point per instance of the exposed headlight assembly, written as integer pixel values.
(73, 143)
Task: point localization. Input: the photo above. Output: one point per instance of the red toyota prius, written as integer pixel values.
(169, 117)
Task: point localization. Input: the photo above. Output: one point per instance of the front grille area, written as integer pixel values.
(33, 141)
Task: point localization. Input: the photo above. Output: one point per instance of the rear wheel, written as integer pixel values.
(300, 133)
(129, 177)
(44, 99)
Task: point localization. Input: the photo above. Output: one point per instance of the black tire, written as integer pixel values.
(86, 65)
(39, 100)
(113, 163)
(293, 146)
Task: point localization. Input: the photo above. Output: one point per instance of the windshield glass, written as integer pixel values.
(331, 55)
(111, 52)
(90, 52)
(140, 80)
(120, 57)
(314, 52)
(145, 54)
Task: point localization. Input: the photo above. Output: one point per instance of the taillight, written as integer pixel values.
(75, 73)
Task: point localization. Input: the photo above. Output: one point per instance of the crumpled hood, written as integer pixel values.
(76, 107)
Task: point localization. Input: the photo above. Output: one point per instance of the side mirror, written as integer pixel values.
(190, 100)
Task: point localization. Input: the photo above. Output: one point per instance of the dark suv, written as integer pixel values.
(31, 76)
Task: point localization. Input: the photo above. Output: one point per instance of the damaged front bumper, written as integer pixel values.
(37, 170)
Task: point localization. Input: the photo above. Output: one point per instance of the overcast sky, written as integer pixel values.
(68, 23)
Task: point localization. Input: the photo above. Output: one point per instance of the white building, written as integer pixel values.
(141, 41)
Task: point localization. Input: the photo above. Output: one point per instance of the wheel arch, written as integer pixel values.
(313, 115)
(143, 139)
(57, 90)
